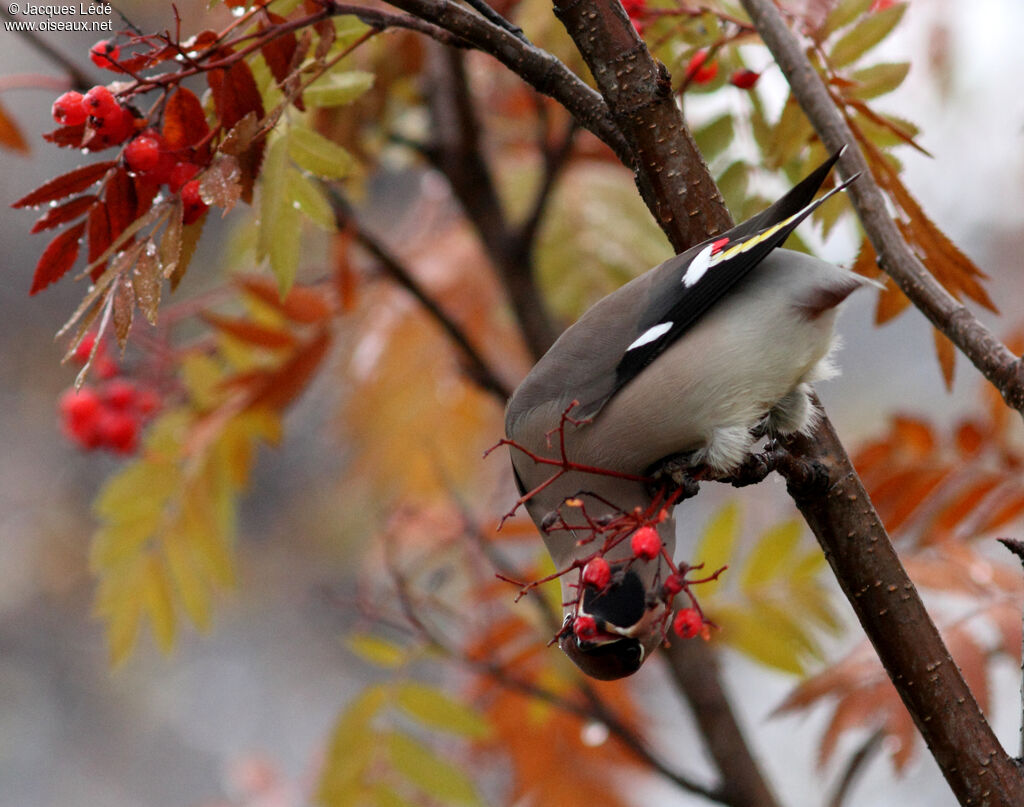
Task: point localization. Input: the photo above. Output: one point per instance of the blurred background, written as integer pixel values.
(246, 709)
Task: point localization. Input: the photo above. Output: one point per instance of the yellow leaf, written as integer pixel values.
(719, 542)
(437, 710)
(746, 630)
(191, 588)
(122, 611)
(429, 772)
(318, 155)
(155, 593)
(336, 89)
(351, 747)
(772, 555)
(377, 651)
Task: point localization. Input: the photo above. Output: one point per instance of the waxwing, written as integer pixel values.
(699, 357)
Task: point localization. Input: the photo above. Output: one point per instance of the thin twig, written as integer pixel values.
(478, 368)
(995, 361)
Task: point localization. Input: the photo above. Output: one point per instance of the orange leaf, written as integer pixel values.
(301, 304)
(866, 263)
(57, 258)
(10, 134)
(1011, 508)
(279, 387)
(184, 120)
(891, 302)
(65, 185)
(969, 438)
(946, 353)
(250, 332)
(915, 437)
(56, 216)
(960, 507)
(899, 496)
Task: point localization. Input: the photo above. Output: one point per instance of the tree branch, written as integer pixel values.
(975, 341)
(477, 367)
(670, 173)
(538, 68)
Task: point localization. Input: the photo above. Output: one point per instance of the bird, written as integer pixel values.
(698, 358)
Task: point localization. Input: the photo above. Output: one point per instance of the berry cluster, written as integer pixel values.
(109, 123)
(109, 414)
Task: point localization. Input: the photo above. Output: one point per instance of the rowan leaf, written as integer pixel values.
(121, 201)
(279, 51)
(58, 257)
(250, 332)
(870, 31)
(220, 184)
(66, 184)
(302, 304)
(377, 651)
(714, 137)
(772, 555)
(338, 89)
(429, 772)
(280, 223)
(878, 79)
(718, 543)
(157, 602)
(10, 133)
(187, 580)
(307, 195)
(71, 209)
(184, 120)
(436, 710)
(235, 93)
(843, 14)
(147, 280)
(351, 747)
(318, 155)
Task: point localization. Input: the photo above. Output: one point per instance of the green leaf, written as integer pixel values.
(435, 709)
(714, 137)
(845, 12)
(318, 155)
(865, 35)
(280, 236)
(337, 89)
(789, 135)
(733, 183)
(377, 651)
(307, 195)
(772, 555)
(429, 772)
(878, 79)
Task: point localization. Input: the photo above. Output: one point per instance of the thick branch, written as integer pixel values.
(538, 68)
(955, 320)
(456, 151)
(670, 172)
(895, 620)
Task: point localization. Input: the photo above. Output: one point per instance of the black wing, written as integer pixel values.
(699, 277)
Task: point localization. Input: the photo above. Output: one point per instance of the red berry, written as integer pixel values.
(81, 354)
(585, 628)
(192, 201)
(104, 53)
(147, 402)
(744, 79)
(81, 411)
(699, 70)
(119, 431)
(100, 103)
(104, 366)
(113, 129)
(143, 154)
(688, 623)
(597, 573)
(180, 174)
(120, 394)
(69, 109)
(646, 543)
(673, 584)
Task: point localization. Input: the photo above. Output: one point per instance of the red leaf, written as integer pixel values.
(65, 212)
(67, 136)
(99, 237)
(278, 52)
(65, 185)
(57, 258)
(122, 204)
(235, 93)
(184, 121)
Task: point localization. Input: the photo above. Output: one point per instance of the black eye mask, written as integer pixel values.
(622, 604)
